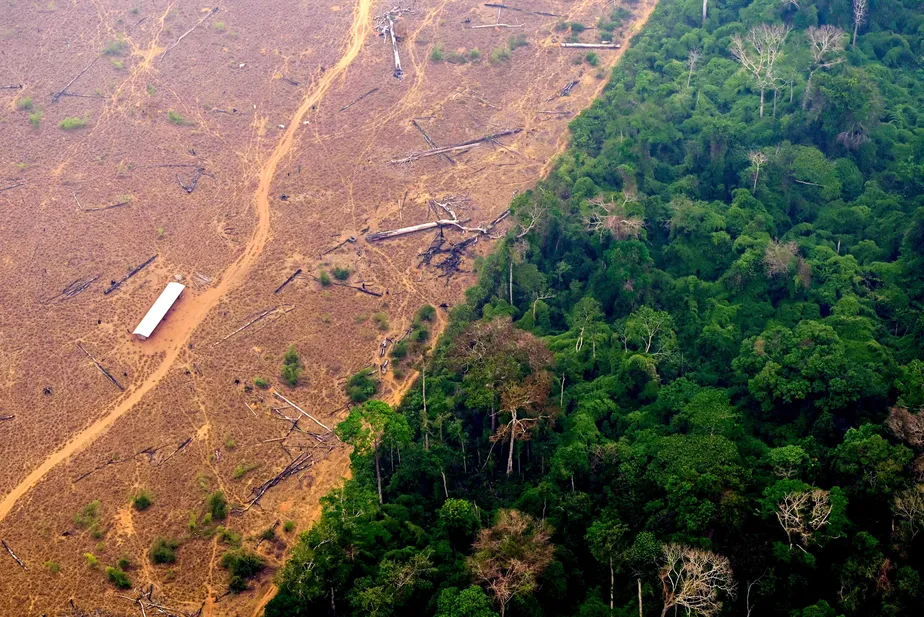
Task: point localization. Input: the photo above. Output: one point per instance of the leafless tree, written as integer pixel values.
(526, 402)
(694, 579)
(611, 216)
(826, 45)
(802, 513)
(909, 505)
(530, 217)
(758, 159)
(692, 57)
(778, 257)
(860, 9)
(788, 3)
(705, 6)
(758, 52)
(907, 426)
(510, 556)
(854, 137)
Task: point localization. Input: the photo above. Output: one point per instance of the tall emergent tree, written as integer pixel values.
(758, 53)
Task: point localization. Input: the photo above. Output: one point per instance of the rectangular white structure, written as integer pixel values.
(156, 313)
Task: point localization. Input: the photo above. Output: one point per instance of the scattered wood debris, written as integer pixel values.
(57, 95)
(145, 601)
(12, 186)
(116, 284)
(302, 411)
(593, 45)
(200, 171)
(13, 87)
(274, 311)
(202, 279)
(494, 5)
(291, 82)
(182, 36)
(385, 25)
(287, 281)
(101, 368)
(13, 555)
(492, 138)
(348, 105)
(150, 451)
(101, 208)
(74, 288)
(454, 252)
(497, 22)
(179, 449)
(5, 418)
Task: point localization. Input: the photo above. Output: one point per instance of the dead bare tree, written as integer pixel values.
(492, 139)
(854, 137)
(611, 217)
(525, 402)
(790, 3)
(758, 159)
(803, 513)
(694, 579)
(909, 506)
(907, 426)
(385, 26)
(758, 52)
(182, 36)
(860, 10)
(692, 57)
(530, 216)
(778, 257)
(705, 7)
(826, 45)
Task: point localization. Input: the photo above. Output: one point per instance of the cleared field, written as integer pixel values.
(261, 107)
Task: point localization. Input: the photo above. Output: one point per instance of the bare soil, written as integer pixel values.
(225, 99)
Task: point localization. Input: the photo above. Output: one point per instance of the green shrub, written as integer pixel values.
(151, 90)
(217, 506)
(397, 372)
(220, 26)
(242, 565)
(398, 350)
(243, 469)
(230, 444)
(426, 313)
(561, 26)
(456, 58)
(35, 118)
(381, 321)
(420, 335)
(228, 536)
(474, 54)
(88, 516)
(362, 386)
(118, 578)
(143, 500)
(292, 367)
(592, 59)
(577, 27)
(260, 383)
(114, 48)
(176, 118)
(53, 566)
(269, 534)
(324, 278)
(117, 64)
(517, 41)
(288, 526)
(92, 561)
(499, 55)
(123, 563)
(341, 274)
(164, 551)
(71, 124)
(24, 103)
(436, 54)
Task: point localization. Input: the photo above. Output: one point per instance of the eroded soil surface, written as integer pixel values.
(253, 99)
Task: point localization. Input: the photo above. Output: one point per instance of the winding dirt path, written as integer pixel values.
(194, 311)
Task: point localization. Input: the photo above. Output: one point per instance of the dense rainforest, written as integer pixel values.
(691, 377)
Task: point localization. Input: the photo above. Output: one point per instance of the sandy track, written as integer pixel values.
(196, 311)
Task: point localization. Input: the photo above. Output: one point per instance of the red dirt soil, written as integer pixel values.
(224, 99)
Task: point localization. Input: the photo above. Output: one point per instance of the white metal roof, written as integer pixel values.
(160, 307)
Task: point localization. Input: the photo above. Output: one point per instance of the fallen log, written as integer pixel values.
(301, 462)
(347, 106)
(287, 281)
(350, 240)
(13, 555)
(12, 186)
(511, 8)
(496, 26)
(118, 205)
(116, 284)
(182, 36)
(77, 287)
(593, 45)
(432, 143)
(464, 145)
(394, 233)
(178, 450)
(266, 313)
(13, 87)
(300, 410)
(60, 93)
(5, 418)
(200, 171)
(101, 368)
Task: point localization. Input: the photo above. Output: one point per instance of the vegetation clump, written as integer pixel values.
(73, 123)
(217, 506)
(118, 578)
(242, 565)
(164, 551)
(362, 386)
(292, 367)
(142, 500)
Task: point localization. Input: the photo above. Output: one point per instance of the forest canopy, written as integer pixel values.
(691, 377)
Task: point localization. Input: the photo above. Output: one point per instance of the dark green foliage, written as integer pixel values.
(242, 565)
(164, 551)
(362, 386)
(143, 500)
(723, 342)
(260, 383)
(217, 506)
(118, 578)
(292, 367)
(341, 274)
(324, 278)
